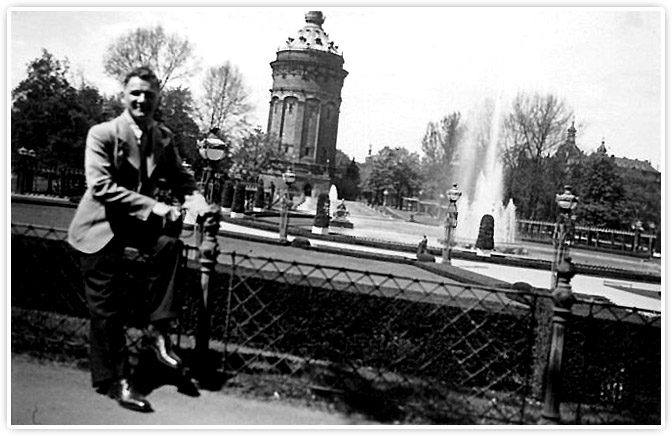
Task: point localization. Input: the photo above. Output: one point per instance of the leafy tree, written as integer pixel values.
(224, 104)
(177, 107)
(394, 169)
(348, 180)
(601, 193)
(170, 56)
(641, 197)
(51, 116)
(256, 153)
(341, 160)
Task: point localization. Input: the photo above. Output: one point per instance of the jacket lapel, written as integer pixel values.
(159, 143)
(128, 145)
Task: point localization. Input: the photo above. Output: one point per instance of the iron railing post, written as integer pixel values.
(563, 299)
(284, 217)
(208, 250)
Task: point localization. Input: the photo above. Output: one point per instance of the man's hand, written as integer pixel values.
(170, 213)
(196, 203)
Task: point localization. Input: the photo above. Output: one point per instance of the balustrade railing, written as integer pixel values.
(595, 237)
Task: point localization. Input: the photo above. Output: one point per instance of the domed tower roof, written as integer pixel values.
(312, 36)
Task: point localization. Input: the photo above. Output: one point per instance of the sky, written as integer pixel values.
(408, 66)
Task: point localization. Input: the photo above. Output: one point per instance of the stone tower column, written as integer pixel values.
(305, 100)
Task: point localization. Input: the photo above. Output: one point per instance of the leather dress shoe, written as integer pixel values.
(163, 349)
(128, 397)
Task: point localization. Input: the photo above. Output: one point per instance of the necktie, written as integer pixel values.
(144, 152)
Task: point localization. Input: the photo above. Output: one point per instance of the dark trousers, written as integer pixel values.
(108, 303)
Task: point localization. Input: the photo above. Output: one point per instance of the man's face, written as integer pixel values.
(141, 98)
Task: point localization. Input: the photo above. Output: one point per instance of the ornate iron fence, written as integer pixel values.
(396, 348)
(51, 181)
(639, 242)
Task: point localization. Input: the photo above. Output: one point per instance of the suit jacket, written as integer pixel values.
(112, 202)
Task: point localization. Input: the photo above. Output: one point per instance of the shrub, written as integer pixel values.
(322, 213)
(259, 196)
(486, 233)
(227, 194)
(238, 198)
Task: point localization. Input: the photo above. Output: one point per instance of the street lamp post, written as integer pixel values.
(564, 228)
(450, 223)
(22, 172)
(385, 194)
(27, 160)
(208, 247)
(638, 230)
(288, 177)
(212, 149)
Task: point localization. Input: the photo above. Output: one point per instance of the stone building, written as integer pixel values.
(305, 104)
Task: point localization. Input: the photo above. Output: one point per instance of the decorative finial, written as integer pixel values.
(571, 133)
(562, 294)
(315, 17)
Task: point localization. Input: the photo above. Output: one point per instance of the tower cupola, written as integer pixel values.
(304, 110)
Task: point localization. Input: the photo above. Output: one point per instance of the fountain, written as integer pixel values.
(338, 211)
(484, 194)
(333, 200)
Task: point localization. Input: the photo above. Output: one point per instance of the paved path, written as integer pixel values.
(51, 394)
(538, 278)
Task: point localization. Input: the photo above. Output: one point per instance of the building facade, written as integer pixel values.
(305, 103)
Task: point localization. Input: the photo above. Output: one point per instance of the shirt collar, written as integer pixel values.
(137, 131)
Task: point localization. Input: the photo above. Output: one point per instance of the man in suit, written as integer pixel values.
(126, 160)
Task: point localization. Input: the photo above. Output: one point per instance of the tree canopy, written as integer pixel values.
(52, 117)
(177, 107)
(257, 152)
(347, 178)
(601, 192)
(168, 55)
(396, 170)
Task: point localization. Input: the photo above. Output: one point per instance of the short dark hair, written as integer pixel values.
(145, 73)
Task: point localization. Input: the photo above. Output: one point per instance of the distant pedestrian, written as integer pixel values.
(422, 253)
(272, 199)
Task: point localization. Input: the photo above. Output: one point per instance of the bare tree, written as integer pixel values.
(536, 125)
(224, 103)
(170, 56)
(533, 131)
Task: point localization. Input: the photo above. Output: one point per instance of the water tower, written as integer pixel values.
(305, 103)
